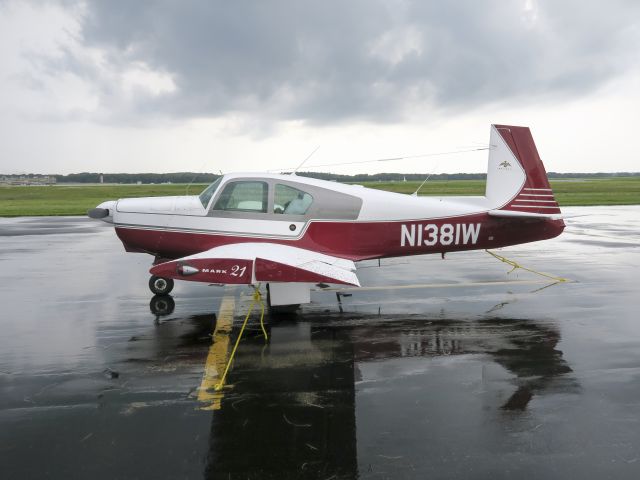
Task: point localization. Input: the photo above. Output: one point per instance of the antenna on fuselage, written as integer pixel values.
(415, 194)
(200, 172)
(305, 160)
(392, 159)
(186, 192)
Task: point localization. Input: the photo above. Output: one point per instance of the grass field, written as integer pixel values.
(76, 200)
(568, 192)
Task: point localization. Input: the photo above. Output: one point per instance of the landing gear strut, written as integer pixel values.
(160, 286)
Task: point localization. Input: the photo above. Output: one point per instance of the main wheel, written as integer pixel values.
(162, 305)
(160, 286)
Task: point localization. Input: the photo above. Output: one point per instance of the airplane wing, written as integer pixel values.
(247, 263)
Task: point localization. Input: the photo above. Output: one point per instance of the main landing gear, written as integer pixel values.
(160, 286)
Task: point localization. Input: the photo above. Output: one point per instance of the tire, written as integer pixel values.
(160, 285)
(162, 305)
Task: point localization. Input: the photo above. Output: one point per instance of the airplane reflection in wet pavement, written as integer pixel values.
(314, 401)
(291, 406)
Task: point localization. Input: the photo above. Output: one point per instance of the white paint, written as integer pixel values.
(178, 205)
(110, 205)
(432, 235)
(503, 183)
(186, 213)
(289, 293)
(339, 269)
(210, 225)
(555, 207)
(407, 235)
(471, 231)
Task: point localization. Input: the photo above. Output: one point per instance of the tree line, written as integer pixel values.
(191, 177)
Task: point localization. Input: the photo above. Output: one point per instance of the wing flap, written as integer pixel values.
(309, 272)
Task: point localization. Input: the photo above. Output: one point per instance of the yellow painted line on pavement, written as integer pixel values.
(218, 353)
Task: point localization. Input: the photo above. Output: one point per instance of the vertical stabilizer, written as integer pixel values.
(516, 178)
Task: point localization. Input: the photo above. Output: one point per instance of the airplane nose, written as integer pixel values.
(104, 211)
(98, 213)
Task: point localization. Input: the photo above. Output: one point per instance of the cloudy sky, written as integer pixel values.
(161, 86)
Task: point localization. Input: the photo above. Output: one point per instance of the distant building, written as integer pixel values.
(27, 180)
(101, 178)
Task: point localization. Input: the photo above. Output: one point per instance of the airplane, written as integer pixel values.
(293, 232)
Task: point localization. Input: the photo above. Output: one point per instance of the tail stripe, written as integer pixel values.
(539, 201)
(537, 206)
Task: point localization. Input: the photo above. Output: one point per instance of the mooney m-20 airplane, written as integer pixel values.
(292, 232)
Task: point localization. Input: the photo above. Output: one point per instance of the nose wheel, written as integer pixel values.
(161, 305)
(160, 286)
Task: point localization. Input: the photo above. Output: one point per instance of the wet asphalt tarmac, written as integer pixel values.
(517, 378)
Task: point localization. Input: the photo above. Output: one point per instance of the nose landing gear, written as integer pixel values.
(160, 286)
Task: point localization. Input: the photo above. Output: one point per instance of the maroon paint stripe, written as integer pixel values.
(270, 271)
(355, 240)
(211, 270)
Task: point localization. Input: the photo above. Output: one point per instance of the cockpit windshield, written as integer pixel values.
(208, 192)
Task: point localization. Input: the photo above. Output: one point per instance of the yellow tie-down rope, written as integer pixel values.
(257, 298)
(516, 265)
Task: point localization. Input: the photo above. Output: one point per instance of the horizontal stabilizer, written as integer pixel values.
(529, 215)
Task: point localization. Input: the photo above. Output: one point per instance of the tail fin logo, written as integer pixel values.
(504, 165)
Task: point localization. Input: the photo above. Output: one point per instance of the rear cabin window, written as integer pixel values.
(243, 197)
(291, 201)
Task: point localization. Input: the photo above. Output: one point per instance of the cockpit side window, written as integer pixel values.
(243, 197)
(208, 192)
(291, 201)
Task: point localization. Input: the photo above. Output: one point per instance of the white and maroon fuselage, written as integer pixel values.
(349, 221)
(175, 235)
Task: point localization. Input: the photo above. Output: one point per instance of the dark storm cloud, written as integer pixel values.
(334, 60)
